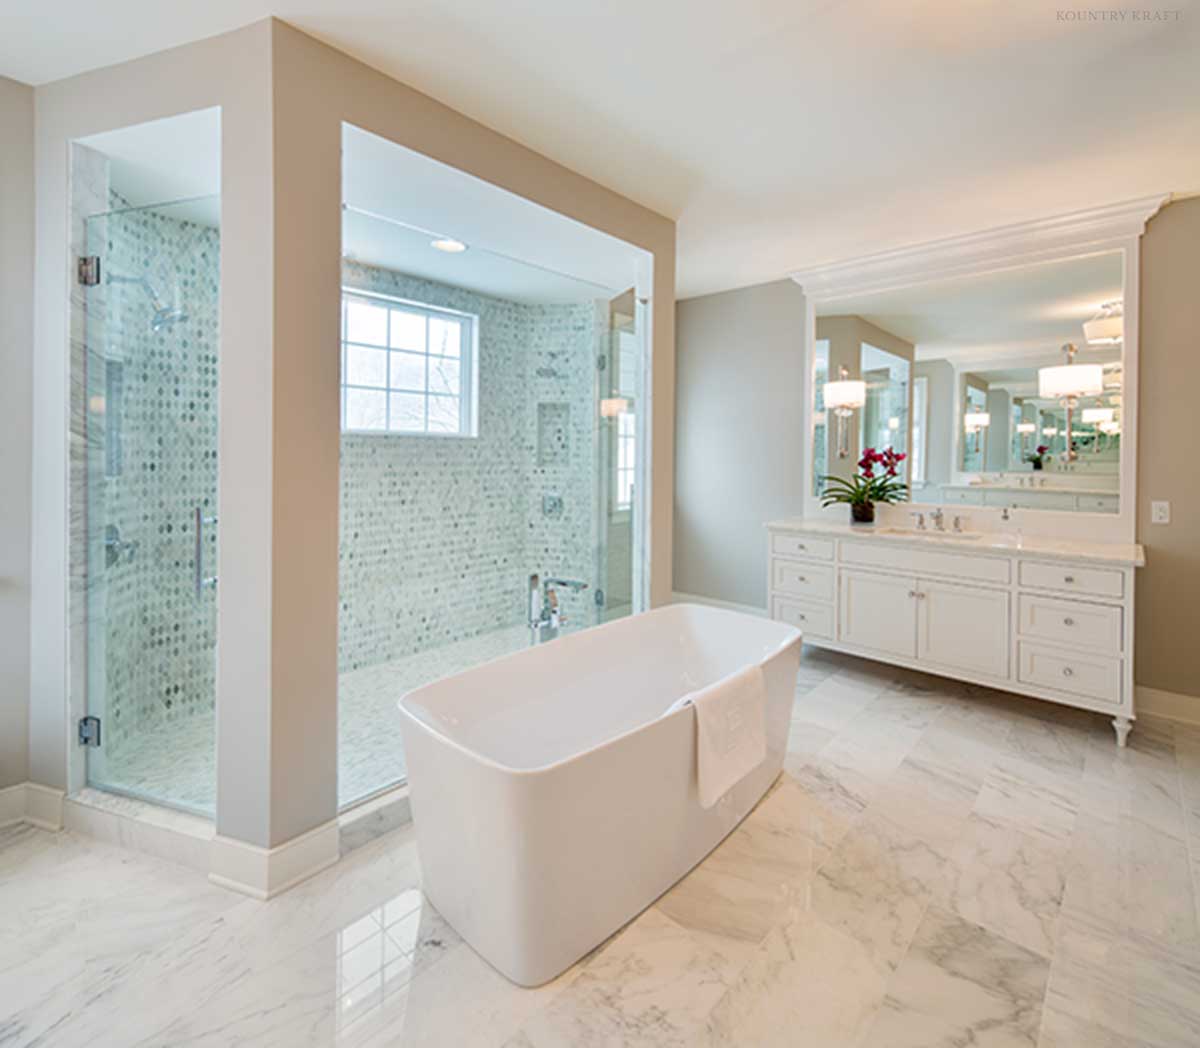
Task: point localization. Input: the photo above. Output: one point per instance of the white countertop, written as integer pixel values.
(1026, 489)
(1115, 553)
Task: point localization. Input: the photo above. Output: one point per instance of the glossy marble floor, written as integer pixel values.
(939, 865)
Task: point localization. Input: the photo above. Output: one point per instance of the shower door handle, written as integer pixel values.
(202, 581)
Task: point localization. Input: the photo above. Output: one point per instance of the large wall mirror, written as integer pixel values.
(1004, 389)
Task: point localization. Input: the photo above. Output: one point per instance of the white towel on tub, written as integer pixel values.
(731, 731)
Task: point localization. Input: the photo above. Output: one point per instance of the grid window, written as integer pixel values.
(626, 445)
(407, 367)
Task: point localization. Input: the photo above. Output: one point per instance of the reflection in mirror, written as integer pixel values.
(871, 405)
(1005, 388)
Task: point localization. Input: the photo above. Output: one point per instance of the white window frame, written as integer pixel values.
(468, 359)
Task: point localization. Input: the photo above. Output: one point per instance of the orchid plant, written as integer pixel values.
(1039, 456)
(875, 481)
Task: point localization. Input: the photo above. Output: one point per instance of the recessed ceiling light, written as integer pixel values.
(449, 245)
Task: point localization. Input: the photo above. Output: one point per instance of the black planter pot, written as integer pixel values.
(863, 513)
(1037, 465)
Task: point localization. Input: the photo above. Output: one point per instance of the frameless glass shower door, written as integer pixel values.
(620, 469)
(152, 276)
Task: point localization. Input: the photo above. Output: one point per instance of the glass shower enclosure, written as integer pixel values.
(150, 280)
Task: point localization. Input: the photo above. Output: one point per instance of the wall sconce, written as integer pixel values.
(611, 407)
(1049, 431)
(1025, 429)
(1067, 383)
(1093, 416)
(843, 397)
(974, 422)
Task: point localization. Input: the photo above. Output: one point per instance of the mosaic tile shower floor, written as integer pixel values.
(176, 765)
(938, 865)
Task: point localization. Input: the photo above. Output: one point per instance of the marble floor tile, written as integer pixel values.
(962, 985)
(654, 985)
(1127, 872)
(761, 871)
(876, 886)
(939, 864)
(808, 983)
(1029, 797)
(1009, 882)
(1109, 987)
(1056, 746)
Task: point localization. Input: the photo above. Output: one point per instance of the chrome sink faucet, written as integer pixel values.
(545, 615)
(938, 516)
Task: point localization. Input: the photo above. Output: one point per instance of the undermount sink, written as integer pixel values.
(913, 533)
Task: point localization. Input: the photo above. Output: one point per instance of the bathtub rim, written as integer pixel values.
(792, 637)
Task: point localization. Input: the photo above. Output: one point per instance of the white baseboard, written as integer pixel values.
(266, 872)
(31, 802)
(1170, 704)
(728, 605)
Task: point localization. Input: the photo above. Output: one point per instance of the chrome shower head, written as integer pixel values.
(166, 317)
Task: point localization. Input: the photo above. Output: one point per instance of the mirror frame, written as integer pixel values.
(1117, 227)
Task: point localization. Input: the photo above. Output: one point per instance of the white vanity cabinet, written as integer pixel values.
(1028, 616)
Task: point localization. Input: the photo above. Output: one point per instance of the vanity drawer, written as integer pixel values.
(813, 620)
(1070, 622)
(1086, 675)
(793, 545)
(1098, 582)
(814, 581)
(1100, 503)
(925, 562)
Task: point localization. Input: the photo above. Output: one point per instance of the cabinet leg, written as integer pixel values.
(1122, 726)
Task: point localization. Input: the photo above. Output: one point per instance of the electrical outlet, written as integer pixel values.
(1160, 513)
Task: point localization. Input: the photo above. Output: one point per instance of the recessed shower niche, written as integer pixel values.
(553, 433)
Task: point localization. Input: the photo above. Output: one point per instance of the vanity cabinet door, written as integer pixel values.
(963, 628)
(878, 612)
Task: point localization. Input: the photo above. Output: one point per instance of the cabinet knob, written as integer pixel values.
(1068, 578)
(801, 578)
(1068, 622)
(1068, 672)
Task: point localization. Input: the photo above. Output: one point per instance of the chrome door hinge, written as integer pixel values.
(87, 269)
(89, 731)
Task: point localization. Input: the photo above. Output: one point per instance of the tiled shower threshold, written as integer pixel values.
(174, 765)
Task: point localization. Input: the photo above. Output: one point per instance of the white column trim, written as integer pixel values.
(263, 873)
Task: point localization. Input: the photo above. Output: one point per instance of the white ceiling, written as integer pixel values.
(1015, 317)
(517, 249)
(397, 201)
(779, 133)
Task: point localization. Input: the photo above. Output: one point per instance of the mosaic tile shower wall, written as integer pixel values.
(440, 534)
(152, 458)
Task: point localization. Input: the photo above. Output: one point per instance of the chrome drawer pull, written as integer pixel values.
(1068, 622)
(1068, 672)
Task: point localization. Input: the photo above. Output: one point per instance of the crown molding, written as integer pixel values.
(1005, 247)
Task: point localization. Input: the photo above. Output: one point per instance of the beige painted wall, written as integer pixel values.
(1168, 588)
(16, 369)
(740, 441)
(283, 97)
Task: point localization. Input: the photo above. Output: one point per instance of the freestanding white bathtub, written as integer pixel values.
(553, 802)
